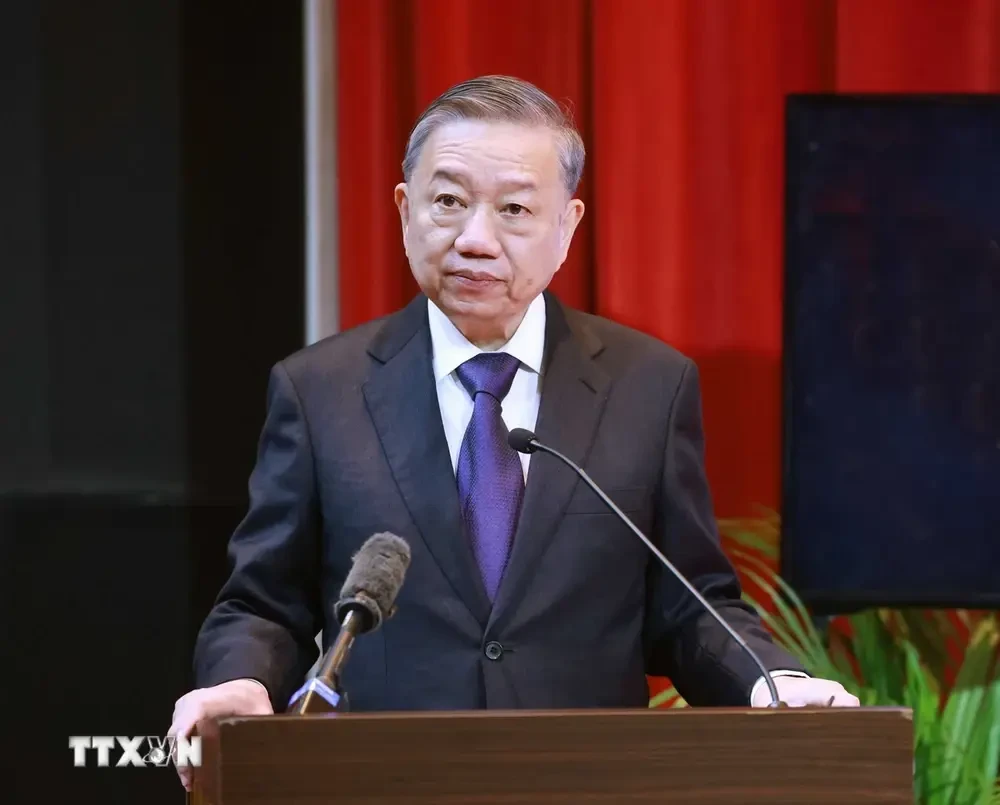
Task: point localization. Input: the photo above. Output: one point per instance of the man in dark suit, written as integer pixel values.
(523, 591)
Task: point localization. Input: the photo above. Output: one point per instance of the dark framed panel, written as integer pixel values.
(891, 458)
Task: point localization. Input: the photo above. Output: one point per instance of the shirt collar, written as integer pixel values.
(451, 349)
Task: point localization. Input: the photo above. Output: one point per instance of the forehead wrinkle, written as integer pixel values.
(522, 181)
(459, 153)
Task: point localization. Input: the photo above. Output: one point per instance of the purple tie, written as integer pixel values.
(490, 477)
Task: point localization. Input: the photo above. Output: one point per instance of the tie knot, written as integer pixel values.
(492, 372)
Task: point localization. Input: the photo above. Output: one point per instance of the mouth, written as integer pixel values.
(474, 276)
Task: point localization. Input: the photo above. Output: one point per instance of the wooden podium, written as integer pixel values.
(800, 756)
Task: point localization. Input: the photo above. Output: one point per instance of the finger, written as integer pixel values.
(843, 699)
(810, 700)
(179, 729)
(178, 717)
(179, 707)
(185, 774)
(183, 724)
(838, 697)
(263, 708)
(182, 728)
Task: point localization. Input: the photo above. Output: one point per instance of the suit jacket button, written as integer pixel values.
(494, 650)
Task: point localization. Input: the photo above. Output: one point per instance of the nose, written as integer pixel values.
(477, 238)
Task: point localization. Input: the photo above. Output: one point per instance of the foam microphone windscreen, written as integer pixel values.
(375, 579)
(522, 440)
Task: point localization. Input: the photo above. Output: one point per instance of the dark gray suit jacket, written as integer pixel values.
(353, 445)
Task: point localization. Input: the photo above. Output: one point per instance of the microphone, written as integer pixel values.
(366, 600)
(524, 441)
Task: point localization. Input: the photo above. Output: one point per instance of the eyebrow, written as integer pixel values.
(448, 176)
(519, 184)
(512, 183)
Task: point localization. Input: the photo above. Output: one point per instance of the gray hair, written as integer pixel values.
(505, 99)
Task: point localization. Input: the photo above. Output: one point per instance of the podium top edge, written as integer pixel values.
(682, 712)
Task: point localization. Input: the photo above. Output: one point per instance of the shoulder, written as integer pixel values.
(649, 377)
(353, 351)
(624, 348)
(338, 351)
(333, 368)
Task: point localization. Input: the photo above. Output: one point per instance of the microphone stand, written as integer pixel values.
(322, 693)
(775, 702)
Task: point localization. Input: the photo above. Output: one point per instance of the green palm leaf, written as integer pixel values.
(747, 539)
(972, 716)
(793, 613)
(930, 633)
(880, 659)
(666, 695)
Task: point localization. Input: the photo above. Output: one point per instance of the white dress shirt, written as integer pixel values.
(451, 349)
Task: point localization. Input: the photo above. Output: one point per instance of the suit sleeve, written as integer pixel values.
(683, 641)
(264, 622)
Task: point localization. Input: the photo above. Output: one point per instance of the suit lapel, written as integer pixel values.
(403, 404)
(574, 391)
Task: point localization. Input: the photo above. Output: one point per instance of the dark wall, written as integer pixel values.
(151, 253)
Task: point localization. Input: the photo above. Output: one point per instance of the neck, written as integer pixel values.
(489, 344)
(491, 335)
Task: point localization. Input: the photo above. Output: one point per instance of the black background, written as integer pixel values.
(151, 249)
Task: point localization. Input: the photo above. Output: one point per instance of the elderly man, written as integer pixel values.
(524, 591)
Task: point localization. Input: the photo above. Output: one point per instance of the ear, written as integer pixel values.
(403, 204)
(571, 218)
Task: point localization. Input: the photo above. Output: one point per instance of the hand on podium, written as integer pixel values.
(239, 697)
(806, 692)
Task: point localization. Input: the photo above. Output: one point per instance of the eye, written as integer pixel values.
(515, 209)
(447, 201)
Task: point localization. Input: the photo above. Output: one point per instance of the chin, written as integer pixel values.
(472, 302)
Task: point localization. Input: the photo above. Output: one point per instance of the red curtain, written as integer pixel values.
(681, 105)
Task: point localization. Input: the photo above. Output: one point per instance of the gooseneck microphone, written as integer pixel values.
(366, 600)
(524, 441)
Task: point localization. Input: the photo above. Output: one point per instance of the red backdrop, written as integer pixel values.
(681, 105)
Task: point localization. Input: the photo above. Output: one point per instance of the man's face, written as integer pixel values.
(486, 222)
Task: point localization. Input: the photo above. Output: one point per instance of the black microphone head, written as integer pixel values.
(522, 440)
(374, 580)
